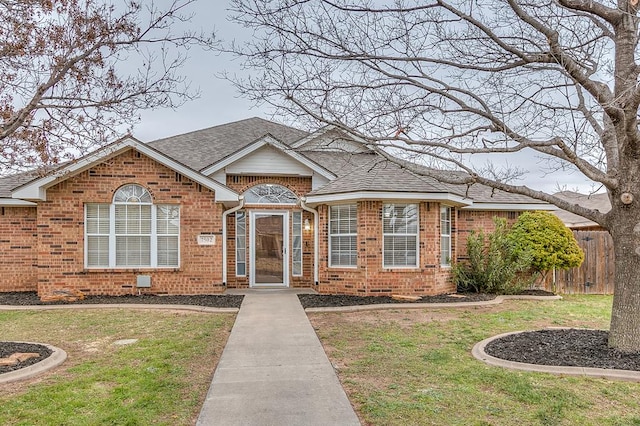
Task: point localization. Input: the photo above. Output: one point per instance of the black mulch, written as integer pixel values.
(9, 348)
(570, 347)
(328, 300)
(214, 301)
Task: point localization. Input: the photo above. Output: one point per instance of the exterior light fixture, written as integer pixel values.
(307, 225)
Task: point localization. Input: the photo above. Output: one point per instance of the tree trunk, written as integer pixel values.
(624, 333)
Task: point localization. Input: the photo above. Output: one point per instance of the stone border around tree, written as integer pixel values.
(479, 353)
(57, 357)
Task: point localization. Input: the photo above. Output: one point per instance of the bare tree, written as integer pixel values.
(73, 73)
(449, 79)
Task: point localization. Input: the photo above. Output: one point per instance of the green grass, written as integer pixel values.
(415, 367)
(161, 379)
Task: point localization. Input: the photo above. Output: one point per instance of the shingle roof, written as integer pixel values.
(201, 148)
(369, 172)
(8, 183)
(593, 201)
(356, 171)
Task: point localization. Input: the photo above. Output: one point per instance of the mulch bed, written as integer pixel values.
(583, 348)
(566, 347)
(329, 300)
(213, 301)
(9, 348)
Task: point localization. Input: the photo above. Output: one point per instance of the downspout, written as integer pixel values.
(316, 243)
(224, 237)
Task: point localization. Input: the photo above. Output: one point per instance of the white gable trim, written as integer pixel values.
(267, 140)
(446, 198)
(12, 202)
(37, 189)
(509, 206)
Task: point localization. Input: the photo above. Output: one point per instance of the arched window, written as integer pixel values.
(132, 194)
(132, 232)
(268, 193)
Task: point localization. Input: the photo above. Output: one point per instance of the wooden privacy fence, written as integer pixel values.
(596, 274)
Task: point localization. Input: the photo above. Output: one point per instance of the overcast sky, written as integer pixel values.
(219, 103)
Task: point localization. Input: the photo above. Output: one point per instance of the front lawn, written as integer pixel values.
(410, 367)
(161, 379)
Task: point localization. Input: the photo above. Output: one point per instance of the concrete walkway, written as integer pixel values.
(273, 370)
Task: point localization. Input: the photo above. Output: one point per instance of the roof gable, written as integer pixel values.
(201, 149)
(36, 189)
(281, 148)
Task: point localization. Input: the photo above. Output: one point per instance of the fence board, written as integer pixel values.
(596, 274)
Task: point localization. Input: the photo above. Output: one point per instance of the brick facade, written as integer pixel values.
(60, 225)
(469, 220)
(369, 277)
(43, 247)
(18, 242)
(299, 186)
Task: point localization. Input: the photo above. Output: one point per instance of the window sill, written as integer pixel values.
(133, 269)
(345, 268)
(409, 269)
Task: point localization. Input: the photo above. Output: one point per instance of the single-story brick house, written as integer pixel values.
(246, 204)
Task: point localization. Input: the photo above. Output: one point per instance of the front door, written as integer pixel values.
(269, 247)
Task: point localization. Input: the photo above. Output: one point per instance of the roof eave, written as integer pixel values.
(13, 202)
(443, 197)
(479, 206)
(37, 189)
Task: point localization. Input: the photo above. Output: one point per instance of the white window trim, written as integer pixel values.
(416, 234)
(112, 241)
(443, 262)
(293, 234)
(354, 234)
(244, 261)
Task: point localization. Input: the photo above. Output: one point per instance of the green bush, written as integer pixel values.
(542, 237)
(493, 266)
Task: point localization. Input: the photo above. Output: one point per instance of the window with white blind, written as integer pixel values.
(132, 232)
(445, 236)
(400, 235)
(296, 250)
(343, 236)
(241, 243)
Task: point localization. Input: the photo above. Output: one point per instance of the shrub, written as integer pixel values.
(493, 266)
(543, 238)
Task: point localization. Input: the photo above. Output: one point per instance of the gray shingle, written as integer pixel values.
(201, 148)
(8, 183)
(368, 172)
(593, 201)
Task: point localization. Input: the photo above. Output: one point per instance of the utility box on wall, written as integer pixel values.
(143, 281)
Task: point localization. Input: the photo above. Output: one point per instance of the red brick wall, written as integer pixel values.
(18, 240)
(369, 277)
(300, 186)
(45, 248)
(60, 222)
(469, 220)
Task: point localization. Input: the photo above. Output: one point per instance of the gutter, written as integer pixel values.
(316, 243)
(224, 237)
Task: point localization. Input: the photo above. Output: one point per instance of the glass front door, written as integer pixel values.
(269, 248)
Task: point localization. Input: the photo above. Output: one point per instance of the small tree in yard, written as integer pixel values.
(492, 266)
(448, 79)
(546, 241)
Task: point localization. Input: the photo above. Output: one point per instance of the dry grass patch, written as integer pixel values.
(160, 379)
(415, 367)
